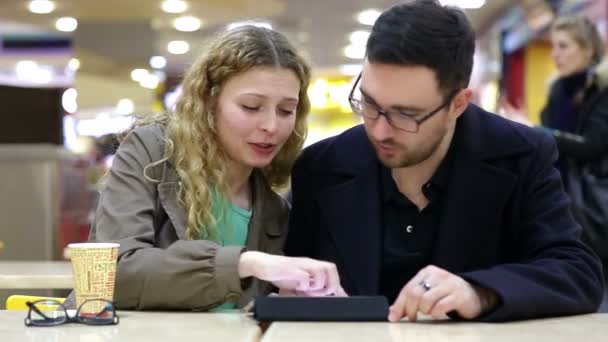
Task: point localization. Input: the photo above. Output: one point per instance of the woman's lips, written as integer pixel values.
(262, 148)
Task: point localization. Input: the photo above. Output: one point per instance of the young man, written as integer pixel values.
(442, 207)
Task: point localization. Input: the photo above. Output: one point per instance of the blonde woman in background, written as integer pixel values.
(189, 196)
(578, 121)
(577, 115)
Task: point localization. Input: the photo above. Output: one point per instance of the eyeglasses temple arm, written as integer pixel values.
(32, 306)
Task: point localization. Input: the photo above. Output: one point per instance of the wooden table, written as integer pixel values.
(36, 275)
(139, 326)
(588, 328)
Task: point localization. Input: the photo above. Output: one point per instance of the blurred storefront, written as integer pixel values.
(330, 110)
(49, 157)
(31, 144)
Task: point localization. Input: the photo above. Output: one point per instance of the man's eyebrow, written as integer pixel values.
(399, 108)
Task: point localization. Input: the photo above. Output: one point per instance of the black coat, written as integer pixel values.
(589, 141)
(584, 155)
(506, 223)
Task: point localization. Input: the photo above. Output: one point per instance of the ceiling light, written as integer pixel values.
(354, 51)
(359, 37)
(68, 100)
(74, 64)
(30, 71)
(471, 4)
(369, 16)
(187, 24)
(25, 67)
(178, 47)
(26, 70)
(44, 75)
(125, 107)
(41, 6)
(150, 81)
(66, 24)
(158, 62)
(237, 24)
(174, 6)
(138, 74)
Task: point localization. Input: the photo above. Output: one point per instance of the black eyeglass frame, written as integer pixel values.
(77, 318)
(357, 108)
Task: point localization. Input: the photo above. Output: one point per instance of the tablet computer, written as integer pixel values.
(355, 308)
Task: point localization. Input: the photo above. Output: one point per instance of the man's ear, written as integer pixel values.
(460, 102)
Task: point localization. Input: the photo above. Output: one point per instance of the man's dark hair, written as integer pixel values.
(425, 33)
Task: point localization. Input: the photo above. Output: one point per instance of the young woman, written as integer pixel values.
(579, 123)
(189, 196)
(577, 114)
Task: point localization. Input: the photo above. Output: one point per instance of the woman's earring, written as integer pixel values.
(210, 121)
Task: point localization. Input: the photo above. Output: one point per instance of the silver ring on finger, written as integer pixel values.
(425, 285)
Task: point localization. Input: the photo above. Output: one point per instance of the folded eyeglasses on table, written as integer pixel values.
(51, 313)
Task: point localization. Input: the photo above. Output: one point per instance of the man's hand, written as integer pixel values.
(436, 292)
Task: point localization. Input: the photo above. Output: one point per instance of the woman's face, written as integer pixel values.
(256, 114)
(569, 56)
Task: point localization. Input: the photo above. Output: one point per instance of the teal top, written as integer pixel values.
(232, 228)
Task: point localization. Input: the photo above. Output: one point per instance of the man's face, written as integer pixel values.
(408, 90)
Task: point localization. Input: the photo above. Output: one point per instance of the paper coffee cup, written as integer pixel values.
(94, 271)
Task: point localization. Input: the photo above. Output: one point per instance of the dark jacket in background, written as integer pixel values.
(589, 140)
(506, 223)
(584, 152)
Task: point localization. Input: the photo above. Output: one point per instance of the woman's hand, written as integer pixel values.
(296, 293)
(292, 275)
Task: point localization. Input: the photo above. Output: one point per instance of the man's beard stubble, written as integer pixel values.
(408, 158)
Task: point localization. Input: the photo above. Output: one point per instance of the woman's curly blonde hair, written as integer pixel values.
(191, 141)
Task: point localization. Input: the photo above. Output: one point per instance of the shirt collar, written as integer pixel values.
(437, 184)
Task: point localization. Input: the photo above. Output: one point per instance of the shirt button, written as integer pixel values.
(409, 228)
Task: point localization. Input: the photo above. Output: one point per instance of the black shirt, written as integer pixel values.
(409, 234)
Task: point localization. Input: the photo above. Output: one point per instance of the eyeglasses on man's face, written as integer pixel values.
(397, 119)
(48, 312)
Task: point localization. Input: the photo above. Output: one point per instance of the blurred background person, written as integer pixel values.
(577, 115)
(575, 111)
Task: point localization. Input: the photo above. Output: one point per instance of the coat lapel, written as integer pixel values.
(269, 219)
(478, 191)
(167, 192)
(353, 214)
(471, 216)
